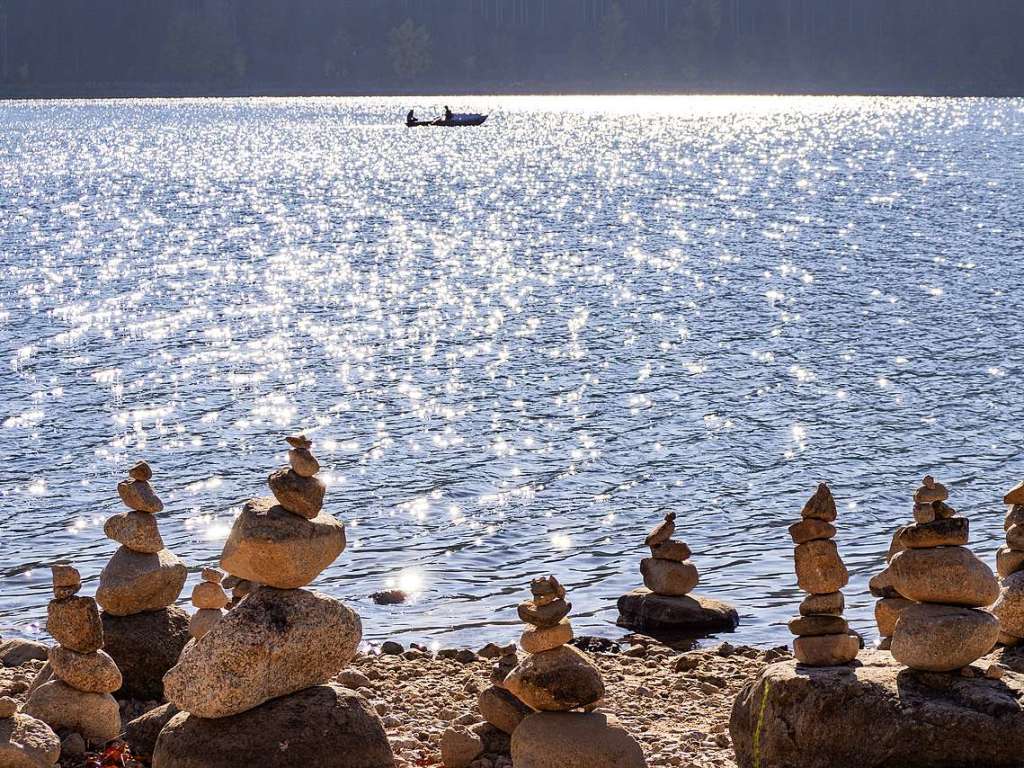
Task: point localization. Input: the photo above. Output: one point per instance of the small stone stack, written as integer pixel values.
(144, 630)
(210, 599)
(76, 695)
(944, 630)
(823, 637)
(1009, 608)
(664, 602)
(558, 680)
(247, 684)
(25, 742)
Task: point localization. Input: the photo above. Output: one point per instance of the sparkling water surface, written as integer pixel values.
(516, 346)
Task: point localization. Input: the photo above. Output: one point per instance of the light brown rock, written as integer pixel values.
(133, 582)
(1014, 516)
(574, 740)
(546, 589)
(665, 577)
(821, 506)
(66, 577)
(882, 585)
(540, 639)
(945, 532)
(304, 496)
(561, 679)
(141, 471)
(271, 644)
(546, 615)
(299, 441)
(8, 707)
(811, 528)
(826, 650)
(822, 624)
(1009, 561)
(302, 462)
(1009, 608)
(75, 623)
(950, 575)
(819, 569)
(93, 715)
(1015, 495)
(460, 747)
(212, 575)
(26, 742)
(941, 638)
(136, 530)
(90, 672)
(501, 709)
(140, 496)
(887, 611)
(943, 510)
(830, 603)
(208, 594)
(203, 621)
(896, 545)
(676, 551)
(1015, 537)
(930, 491)
(271, 546)
(924, 513)
(15, 652)
(662, 532)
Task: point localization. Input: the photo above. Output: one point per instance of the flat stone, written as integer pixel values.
(1015, 495)
(540, 639)
(881, 585)
(1009, 561)
(662, 532)
(212, 575)
(275, 642)
(90, 672)
(887, 611)
(134, 582)
(460, 747)
(665, 577)
(811, 626)
(303, 496)
(644, 611)
(269, 545)
(93, 715)
(145, 646)
(15, 652)
(547, 615)
(140, 496)
(945, 532)
(941, 638)
(810, 529)
(950, 575)
(877, 714)
(826, 650)
(830, 604)
(819, 569)
(136, 530)
(556, 680)
(207, 594)
(930, 491)
(75, 623)
(1009, 608)
(142, 732)
(302, 462)
(821, 506)
(574, 740)
(26, 742)
(203, 621)
(326, 726)
(501, 709)
(1014, 516)
(676, 551)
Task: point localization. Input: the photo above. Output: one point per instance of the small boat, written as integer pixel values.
(457, 120)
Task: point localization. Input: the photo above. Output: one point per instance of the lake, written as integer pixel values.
(515, 346)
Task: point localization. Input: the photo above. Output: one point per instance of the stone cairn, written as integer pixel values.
(1009, 608)
(664, 603)
(890, 603)
(266, 663)
(145, 632)
(74, 689)
(210, 600)
(823, 637)
(24, 740)
(564, 687)
(943, 630)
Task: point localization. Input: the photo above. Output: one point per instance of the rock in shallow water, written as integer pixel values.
(26, 742)
(326, 726)
(645, 611)
(134, 582)
(273, 643)
(145, 646)
(574, 740)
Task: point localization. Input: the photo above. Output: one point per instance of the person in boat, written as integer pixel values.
(447, 114)
(410, 119)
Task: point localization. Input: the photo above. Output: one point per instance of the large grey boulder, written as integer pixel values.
(574, 740)
(273, 643)
(644, 611)
(327, 726)
(145, 646)
(876, 713)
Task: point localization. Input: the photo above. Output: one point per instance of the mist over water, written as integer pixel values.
(515, 347)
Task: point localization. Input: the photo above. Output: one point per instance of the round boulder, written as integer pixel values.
(949, 575)
(134, 582)
(556, 680)
(667, 577)
(326, 726)
(574, 740)
(941, 638)
(644, 611)
(145, 646)
(93, 715)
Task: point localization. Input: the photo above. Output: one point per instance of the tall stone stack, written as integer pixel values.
(1009, 608)
(564, 687)
(145, 631)
(210, 600)
(665, 602)
(945, 629)
(253, 689)
(823, 637)
(76, 697)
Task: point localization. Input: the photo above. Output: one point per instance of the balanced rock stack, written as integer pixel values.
(1009, 608)
(260, 672)
(556, 679)
(944, 629)
(76, 696)
(145, 631)
(890, 603)
(664, 602)
(823, 637)
(210, 599)
(25, 742)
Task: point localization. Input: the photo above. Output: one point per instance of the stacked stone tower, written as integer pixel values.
(823, 637)
(144, 630)
(945, 629)
(76, 697)
(210, 600)
(1009, 608)
(264, 666)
